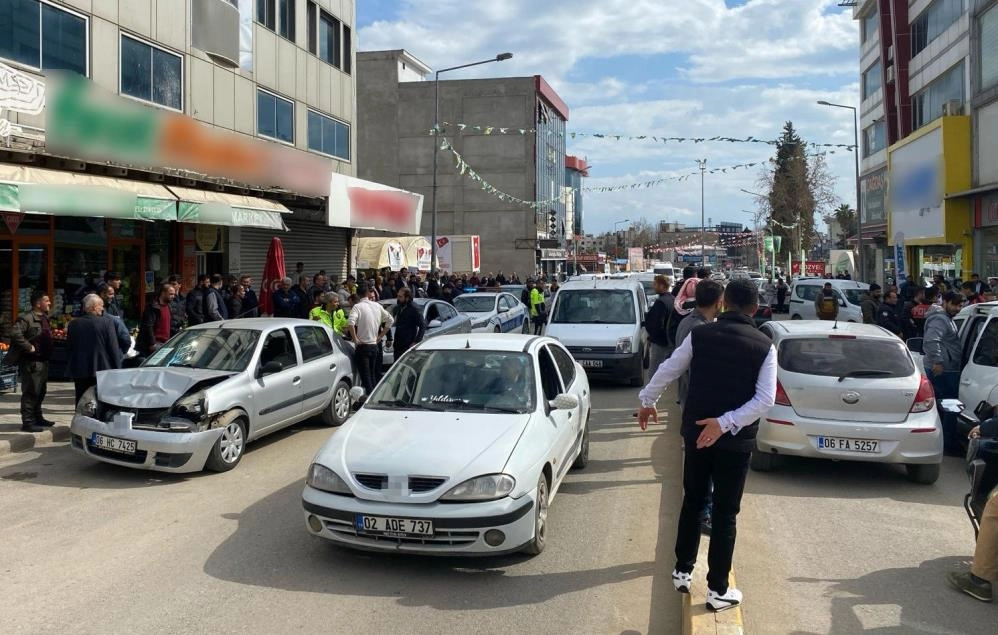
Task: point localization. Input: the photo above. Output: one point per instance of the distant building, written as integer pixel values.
(575, 170)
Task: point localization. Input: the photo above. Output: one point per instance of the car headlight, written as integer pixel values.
(480, 489)
(624, 345)
(87, 406)
(480, 323)
(322, 478)
(192, 407)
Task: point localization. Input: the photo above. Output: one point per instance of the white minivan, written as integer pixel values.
(848, 292)
(601, 322)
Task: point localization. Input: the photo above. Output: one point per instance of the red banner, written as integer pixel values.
(811, 267)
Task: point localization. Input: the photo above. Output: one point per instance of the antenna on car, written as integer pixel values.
(467, 344)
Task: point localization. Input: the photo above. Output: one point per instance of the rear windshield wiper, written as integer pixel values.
(866, 373)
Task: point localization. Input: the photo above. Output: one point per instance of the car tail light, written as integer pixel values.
(781, 395)
(925, 398)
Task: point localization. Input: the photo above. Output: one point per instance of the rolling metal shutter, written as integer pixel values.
(311, 242)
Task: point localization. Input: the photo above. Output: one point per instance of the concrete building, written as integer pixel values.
(575, 170)
(242, 110)
(395, 116)
(928, 116)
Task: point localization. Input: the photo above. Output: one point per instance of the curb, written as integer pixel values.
(24, 441)
(697, 620)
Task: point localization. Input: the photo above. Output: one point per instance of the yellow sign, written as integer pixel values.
(207, 237)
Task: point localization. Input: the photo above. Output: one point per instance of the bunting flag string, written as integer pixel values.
(463, 128)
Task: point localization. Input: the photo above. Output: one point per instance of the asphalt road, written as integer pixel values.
(88, 547)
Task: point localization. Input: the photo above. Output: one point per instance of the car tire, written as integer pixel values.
(924, 474)
(796, 317)
(497, 330)
(538, 542)
(582, 460)
(762, 461)
(229, 449)
(338, 410)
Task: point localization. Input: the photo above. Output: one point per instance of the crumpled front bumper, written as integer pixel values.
(157, 450)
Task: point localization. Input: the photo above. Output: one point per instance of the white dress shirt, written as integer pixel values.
(366, 318)
(733, 420)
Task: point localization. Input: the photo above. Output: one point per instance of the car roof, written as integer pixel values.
(610, 283)
(811, 328)
(484, 341)
(820, 282)
(982, 308)
(256, 324)
(481, 294)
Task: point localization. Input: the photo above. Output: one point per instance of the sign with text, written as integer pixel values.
(366, 205)
(917, 187)
(873, 189)
(811, 268)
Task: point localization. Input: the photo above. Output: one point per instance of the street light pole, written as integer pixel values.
(627, 220)
(702, 164)
(859, 213)
(436, 146)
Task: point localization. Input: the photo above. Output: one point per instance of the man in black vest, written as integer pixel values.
(732, 384)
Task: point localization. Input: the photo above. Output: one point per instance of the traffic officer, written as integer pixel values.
(537, 308)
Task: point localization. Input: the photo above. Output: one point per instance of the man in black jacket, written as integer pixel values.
(410, 327)
(30, 350)
(732, 384)
(888, 315)
(657, 322)
(93, 345)
(196, 313)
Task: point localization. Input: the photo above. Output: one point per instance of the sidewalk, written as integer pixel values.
(58, 406)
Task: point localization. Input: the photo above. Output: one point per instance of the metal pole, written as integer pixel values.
(859, 213)
(436, 148)
(702, 164)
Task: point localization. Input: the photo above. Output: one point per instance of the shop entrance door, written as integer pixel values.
(126, 258)
(27, 265)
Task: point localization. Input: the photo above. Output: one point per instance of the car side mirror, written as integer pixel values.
(435, 324)
(271, 368)
(564, 401)
(915, 345)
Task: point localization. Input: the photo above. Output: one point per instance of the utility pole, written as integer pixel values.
(702, 164)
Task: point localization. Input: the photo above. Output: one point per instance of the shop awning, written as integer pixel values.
(34, 190)
(984, 189)
(222, 208)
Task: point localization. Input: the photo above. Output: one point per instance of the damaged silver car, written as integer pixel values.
(198, 400)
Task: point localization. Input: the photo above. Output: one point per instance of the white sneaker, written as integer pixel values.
(682, 581)
(717, 602)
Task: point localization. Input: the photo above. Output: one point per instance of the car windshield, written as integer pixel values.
(594, 306)
(474, 303)
(458, 380)
(212, 349)
(845, 356)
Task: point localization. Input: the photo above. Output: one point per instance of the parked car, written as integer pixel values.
(492, 312)
(849, 293)
(601, 323)
(211, 389)
(849, 392)
(459, 450)
(441, 319)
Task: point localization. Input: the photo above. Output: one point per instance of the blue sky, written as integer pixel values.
(676, 68)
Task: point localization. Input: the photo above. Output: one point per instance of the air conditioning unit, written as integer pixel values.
(953, 108)
(889, 74)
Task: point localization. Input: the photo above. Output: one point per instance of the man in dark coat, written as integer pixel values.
(196, 304)
(251, 304)
(93, 345)
(30, 350)
(410, 327)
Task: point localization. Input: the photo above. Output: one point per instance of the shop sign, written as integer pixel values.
(902, 270)
(873, 189)
(989, 211)
(811, 268)
(916, 187)
(207, 237)
(12, 220)
(553, 254)
(85, 121)
(366, 205)
(19, 92)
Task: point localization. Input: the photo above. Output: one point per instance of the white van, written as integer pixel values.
(849, 294)
(664, 269)
(601, 322)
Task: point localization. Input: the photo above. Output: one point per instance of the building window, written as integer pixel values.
(329, 39)
(872, 80)
(43, 36)
(989, 48)
(328, 136)
(927, 104)
(931, 23)
(278, 16)
(874, 138)
(275, 117)
(151, 74)
(870, 23)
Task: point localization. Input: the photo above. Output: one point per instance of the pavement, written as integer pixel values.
(89, 547)
(58, 407)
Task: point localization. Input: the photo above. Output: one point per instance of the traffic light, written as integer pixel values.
(553, 222)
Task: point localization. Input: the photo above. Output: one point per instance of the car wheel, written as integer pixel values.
(762, 461)
(796, 317)
(582, 460)
(535, 546)
(229, 449)
(338, 410)
(926, 474)
(497, 330)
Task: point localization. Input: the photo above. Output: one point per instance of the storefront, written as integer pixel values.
(986, 236)
(873, 190)
(309, 240)
(935, 230)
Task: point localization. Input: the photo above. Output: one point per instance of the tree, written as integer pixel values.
(798, 188)
(845, 218)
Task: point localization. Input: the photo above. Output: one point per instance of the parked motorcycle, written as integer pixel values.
(982, 459)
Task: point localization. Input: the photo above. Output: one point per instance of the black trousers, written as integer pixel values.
(81, 384)
(366, 358)
(34, 385)
(727, 470)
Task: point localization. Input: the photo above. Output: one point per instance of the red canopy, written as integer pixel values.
(273, 273)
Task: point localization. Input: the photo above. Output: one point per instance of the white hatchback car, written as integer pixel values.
(459, 450)
(851, 392)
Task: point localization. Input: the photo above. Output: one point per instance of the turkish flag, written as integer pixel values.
(273, 273)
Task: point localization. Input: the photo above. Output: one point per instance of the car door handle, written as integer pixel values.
(964, 382)
(333, 366)
(296, 380)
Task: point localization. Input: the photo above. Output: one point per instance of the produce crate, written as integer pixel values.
(8, 375)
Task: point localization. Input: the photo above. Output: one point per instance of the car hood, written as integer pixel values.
(150, 387)
(475, 317)
(452, 445)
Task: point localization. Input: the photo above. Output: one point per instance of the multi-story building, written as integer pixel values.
(928, 118)
(518, 148)
(186, 134)
(575, 170)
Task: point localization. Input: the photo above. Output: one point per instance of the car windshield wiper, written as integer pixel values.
(184, 365)
(464, 405)
(866, 373)
(401, 404)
